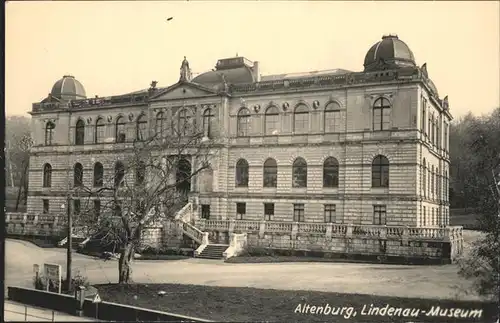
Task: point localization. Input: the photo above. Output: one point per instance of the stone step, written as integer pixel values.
(213, 251)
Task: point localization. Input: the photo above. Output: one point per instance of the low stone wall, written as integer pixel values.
(106, 310)
(433, 245)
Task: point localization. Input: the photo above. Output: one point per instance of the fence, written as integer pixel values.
(21, 310)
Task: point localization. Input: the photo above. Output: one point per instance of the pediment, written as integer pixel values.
(183, 90)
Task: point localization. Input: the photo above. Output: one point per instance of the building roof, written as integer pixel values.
(285, 76)
(242, 74)
(389, 53)
(68, 88)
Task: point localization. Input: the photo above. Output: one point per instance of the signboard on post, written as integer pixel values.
(53, 275)
(96, 300)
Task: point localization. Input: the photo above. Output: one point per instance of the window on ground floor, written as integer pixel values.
(329, 212)
(76, 207)
(424, 218)
(268, 211)
(97, 209)
(45, 206)
(379, 214)
(298, 212)
(241, 210)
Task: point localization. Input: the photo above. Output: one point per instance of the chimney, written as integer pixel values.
(256, 73)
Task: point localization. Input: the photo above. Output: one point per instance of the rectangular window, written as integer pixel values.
(45, 206)
(298, 212)
(97, 209)
(205, 211)
(429, 125)
(241, 210)
(329, 212)
(379, 215)
(423, 116)
(76, 207)
(433, 129)
(268, 211)
(332, 121)
(445, 144)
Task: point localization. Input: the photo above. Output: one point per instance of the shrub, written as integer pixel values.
(168, 251)
(77, 279)
(257, 252)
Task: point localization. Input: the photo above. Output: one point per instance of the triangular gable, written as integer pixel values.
(50, 99)
(183, 90)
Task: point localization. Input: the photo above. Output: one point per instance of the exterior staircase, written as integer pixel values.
(186, 224)
(213, 251)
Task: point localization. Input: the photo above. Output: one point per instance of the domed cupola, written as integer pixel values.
(389, 53)
(68, 88)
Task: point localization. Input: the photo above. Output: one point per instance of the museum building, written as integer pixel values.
(306, 159)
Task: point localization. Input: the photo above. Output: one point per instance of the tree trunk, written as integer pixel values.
(125, 263)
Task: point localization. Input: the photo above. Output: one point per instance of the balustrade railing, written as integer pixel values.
(246, 226)
(333, 229)
(193, 232)
(278, 226)
(304, 227)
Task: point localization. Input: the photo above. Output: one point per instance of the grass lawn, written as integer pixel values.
(240, 304)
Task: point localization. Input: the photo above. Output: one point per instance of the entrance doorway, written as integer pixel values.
(183, 178)
(205, 211)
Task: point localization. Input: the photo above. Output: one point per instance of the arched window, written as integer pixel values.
(184, 122)
(270, 173)
(49, 133)
(424, 179)
(80, 132)
(243, 123)
(429, 175)
(78, 175)
(380, 171)
(160, 125)
(208, 120)
(299, 173)
(332, 117)
(121, 135)
(47, 175)
(301, 119)
(98, 175)
(432, 179)
(272, 121)
(242, 171)
(381, 114)
(99, 131)
(142, 128)
(119, 174)
(331, 172)
(140, 173)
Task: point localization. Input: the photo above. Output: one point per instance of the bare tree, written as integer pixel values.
(18, 144)
(146, 188)
(482, 263)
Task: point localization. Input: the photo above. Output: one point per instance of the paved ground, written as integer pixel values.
(19, 313)
(390, 280)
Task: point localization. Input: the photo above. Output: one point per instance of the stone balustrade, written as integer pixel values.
(332, 229)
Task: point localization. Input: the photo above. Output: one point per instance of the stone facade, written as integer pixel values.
(410, 132)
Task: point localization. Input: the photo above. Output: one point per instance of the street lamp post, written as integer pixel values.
(69, 239)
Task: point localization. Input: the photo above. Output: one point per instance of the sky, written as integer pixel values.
(118, 47)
